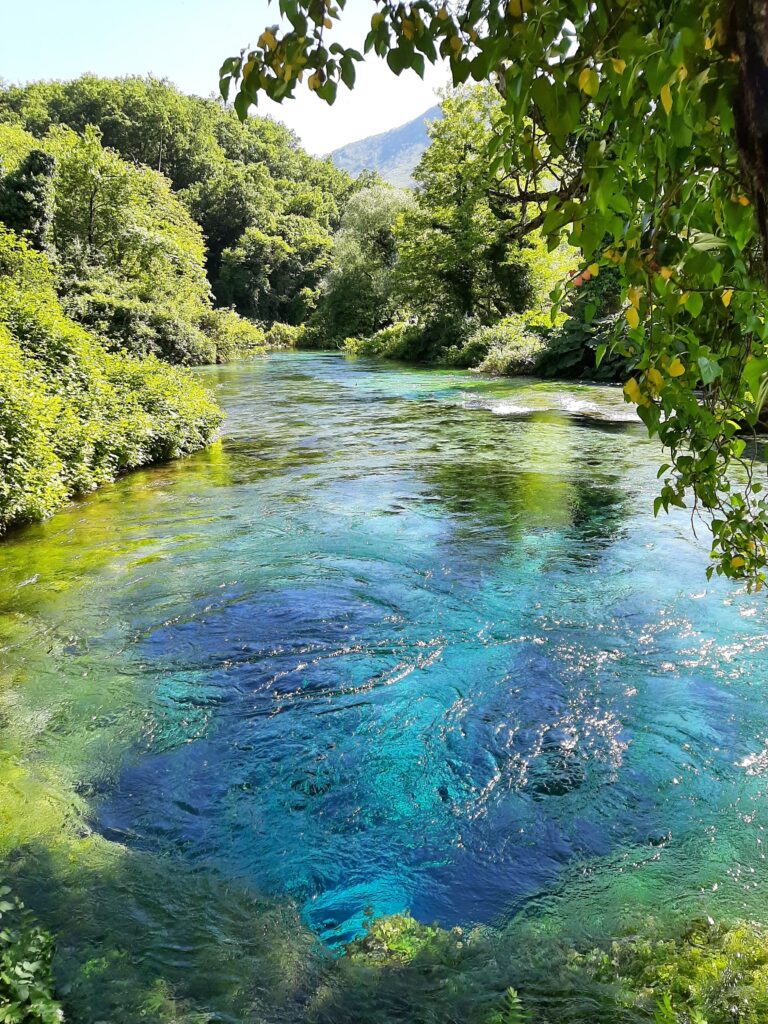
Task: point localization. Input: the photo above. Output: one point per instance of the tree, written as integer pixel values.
(274, 275)
(666, 104)
(26, 198)
(459, 252)
(232, 176)
(357, 294)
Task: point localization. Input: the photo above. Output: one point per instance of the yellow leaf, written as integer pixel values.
(618, 65)
(682, 73)
(633, 317)
(250, 65)
(515, 8)
(720, 32)
(738, 562)
(633, 392)
(666, 98)
(666, 273)
(708, 43)
(327, 23)
(675, 368)
(682, 298)
(726, 297)
(594, 269)
(743, 200)
(456, 44)
(314, 82)
(409, 29)
(634, 295)
(589, 83)
(655, 379)
(378, 17)
(442, 14)
(267, 40)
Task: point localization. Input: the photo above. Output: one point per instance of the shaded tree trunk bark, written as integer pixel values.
(748, 37)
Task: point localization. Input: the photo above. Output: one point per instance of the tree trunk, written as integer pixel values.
(748, 37)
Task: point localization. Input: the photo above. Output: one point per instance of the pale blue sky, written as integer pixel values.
(186, 40)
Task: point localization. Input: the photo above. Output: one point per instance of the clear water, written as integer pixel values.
(402, 640)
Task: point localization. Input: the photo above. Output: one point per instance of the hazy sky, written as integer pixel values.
(186, 41)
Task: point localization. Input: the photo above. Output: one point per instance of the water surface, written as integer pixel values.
(402, 640)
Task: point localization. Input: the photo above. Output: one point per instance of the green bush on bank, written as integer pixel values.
(232, 335)
(72, 414)
(282, 335)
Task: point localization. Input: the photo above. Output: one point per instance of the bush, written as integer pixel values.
(142, 328)
(511, 346)
(284, 336)
(703, 973)
(72, 414)
(232, 336)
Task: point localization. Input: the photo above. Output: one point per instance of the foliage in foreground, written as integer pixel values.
(705, 974)
(72, 414)
(663, 105)
(26, 979)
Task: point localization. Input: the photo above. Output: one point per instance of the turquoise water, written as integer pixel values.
(403, 640)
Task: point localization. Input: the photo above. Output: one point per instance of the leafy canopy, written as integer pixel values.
(644, 93)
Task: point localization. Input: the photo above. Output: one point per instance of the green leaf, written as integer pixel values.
(694, 303)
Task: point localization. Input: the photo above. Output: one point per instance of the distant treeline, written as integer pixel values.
(139, 226)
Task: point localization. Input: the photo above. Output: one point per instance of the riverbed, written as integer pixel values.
(401, 640)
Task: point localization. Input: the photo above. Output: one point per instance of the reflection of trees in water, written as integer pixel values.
(530, 487)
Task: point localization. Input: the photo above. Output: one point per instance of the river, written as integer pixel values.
(402, 639)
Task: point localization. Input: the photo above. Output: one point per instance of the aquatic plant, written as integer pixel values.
(26, 978)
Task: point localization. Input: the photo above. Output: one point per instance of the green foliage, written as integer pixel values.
(275, 277)
(250, 187)
(358, 291)
(73, 415)
(458, 255)
(705, 973)
(511, 1011)
(129, 256)
(637, 133)
(233, 336)
(710, 974)
(26, 197)
(285, 336)
(26, 980)
(579, 346)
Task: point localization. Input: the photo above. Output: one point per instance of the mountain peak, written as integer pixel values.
(394, 154)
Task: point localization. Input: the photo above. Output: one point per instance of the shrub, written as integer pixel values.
(232, 336)
(72, 414)
(142, 328)
(284, 336)
(513, 345)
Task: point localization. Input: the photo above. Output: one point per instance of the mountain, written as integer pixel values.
(394, 154)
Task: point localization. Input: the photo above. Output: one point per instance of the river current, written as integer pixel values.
(402, 640)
